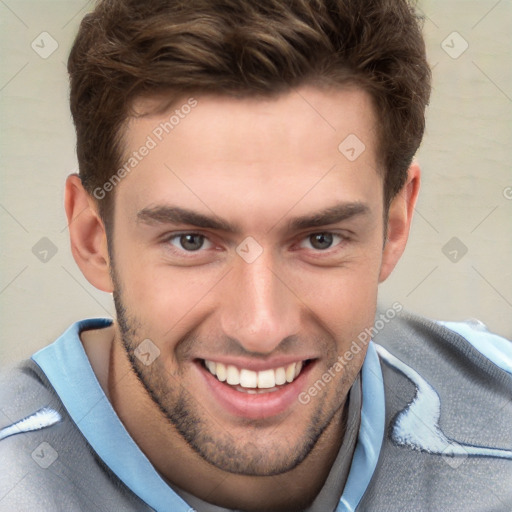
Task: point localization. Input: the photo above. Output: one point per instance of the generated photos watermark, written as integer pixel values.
(363, 338)
(156, 136)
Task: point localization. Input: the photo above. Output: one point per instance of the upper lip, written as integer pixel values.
(255, 364)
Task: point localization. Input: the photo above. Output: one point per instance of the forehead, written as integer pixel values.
(320, 114)
(215, 150)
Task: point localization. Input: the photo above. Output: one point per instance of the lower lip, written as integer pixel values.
(255, 406)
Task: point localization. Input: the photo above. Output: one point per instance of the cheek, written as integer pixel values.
(344, 300)
(168, 301)
(348, 310)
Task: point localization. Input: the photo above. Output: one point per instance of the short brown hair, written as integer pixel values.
(126, 49)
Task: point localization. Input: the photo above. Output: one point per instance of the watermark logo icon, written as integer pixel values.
(454, 455)
(45, 455)
(44, 250)
(147, 352)
(249, 250)
(454, 45)
(351, 147)
(44, 45)
(454, 249)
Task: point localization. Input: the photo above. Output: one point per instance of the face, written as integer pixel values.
(247, 247)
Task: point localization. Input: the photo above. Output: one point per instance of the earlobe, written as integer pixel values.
(399, 221)
(87, 235)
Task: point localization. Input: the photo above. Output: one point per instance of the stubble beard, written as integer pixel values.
(255, 455)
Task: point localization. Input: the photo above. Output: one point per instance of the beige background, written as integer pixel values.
(467, 180)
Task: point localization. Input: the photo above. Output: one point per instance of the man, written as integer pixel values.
(246, 182)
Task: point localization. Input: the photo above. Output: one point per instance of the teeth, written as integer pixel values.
(233, 376)
(280, 376)
(220, 370)
(211, 366)
(256, 391)
(248, 379)
(266, 379)
(290, 372)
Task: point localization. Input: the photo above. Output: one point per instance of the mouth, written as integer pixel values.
(249, 381)
(252, 393)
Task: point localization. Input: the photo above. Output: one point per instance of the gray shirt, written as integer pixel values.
(435, 430)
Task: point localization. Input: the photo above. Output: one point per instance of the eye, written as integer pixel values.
(190, 242)
(321, 241)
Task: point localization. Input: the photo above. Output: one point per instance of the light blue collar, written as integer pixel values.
(371, 433)
(67, 367)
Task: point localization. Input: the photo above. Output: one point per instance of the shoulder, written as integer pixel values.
(466, 346)
(31, 418)
(461, 366)
(448, 418)
(51, 466)
(27, 400)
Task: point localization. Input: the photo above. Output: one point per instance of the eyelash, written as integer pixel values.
(190, 233)
(341, 238)
(304, 239)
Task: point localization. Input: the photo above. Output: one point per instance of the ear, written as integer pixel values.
(399, 221)
(87, 235)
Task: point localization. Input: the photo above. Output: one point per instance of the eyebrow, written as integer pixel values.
(332, 215)
(165, 214)
(174, 215)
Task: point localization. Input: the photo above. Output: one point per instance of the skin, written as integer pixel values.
(257, 164)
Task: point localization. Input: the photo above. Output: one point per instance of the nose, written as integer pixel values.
(259, 309)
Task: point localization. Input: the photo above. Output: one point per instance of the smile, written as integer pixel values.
(254, 389)
(250, 381)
